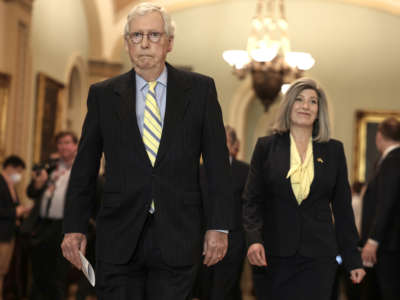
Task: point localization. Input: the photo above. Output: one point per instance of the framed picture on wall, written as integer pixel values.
(49, 111)
(366, 155)
(4, 93)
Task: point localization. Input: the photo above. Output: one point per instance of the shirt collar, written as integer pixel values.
(141, 83)
(389, 149)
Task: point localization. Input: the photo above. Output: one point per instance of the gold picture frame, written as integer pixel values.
(48, 116)
(4, 94)
(365, 153)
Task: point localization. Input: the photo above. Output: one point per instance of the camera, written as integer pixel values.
(49, 166)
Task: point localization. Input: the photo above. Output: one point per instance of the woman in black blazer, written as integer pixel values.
(10, 210)
(297, 210)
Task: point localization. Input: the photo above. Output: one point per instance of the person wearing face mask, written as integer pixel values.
(10, 211)
(297, 210)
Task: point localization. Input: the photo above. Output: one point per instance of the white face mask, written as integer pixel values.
(15, 177)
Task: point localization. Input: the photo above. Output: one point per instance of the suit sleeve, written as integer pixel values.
(388, 191)
(346, 232)
(219, 210)
(33, 192)
(84, 173)
(254, 195)
(6, 212)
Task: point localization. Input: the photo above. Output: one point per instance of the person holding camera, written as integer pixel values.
(48, 189)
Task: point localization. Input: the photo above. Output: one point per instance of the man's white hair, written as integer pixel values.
(147, 7)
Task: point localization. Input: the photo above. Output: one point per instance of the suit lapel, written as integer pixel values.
(285, 167)
(126, 112)
(175, 109)
(319, 159)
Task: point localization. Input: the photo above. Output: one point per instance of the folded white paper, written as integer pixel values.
(87, 269)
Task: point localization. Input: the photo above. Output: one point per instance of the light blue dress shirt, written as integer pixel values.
(142, 87)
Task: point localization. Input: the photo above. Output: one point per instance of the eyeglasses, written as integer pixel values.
(137, 37)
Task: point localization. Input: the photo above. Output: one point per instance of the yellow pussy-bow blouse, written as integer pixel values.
(301, 173)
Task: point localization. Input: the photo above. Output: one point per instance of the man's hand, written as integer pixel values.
(368, 253)
(256, 255)
(215, 247)
(72, 243)
(23, 210)
(357, 275)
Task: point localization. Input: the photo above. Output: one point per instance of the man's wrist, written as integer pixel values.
(373, 242)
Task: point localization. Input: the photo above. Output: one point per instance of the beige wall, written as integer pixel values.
(2, 34)
(60, 43)
(59, 30)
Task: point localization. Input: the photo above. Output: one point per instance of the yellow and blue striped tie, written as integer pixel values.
(152, 127)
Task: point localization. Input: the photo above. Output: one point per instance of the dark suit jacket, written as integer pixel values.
(381, 204)
(7, 212)
(33, 225)
(30, 224)
(192, 126)
(239, 171)
(273, 217)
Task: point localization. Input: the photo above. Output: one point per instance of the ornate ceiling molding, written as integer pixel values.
(106, 18)
(121, 6)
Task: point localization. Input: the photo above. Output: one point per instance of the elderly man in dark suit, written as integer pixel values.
(152, 124)
(381, 212)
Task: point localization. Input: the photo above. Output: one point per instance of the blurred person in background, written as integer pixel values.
(222, 281)
(48, 189)
(10, 211)
(381, 213)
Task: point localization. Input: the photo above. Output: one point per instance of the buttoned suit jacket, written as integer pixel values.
(272, 215)
(192, 127)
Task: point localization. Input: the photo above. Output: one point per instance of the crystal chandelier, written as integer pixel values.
(268, 57)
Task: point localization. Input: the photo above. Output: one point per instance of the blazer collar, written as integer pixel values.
(285, 151)
(177, 85)
(125, 86)
(389, 151)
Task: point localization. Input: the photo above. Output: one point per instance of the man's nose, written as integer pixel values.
(145, 41)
